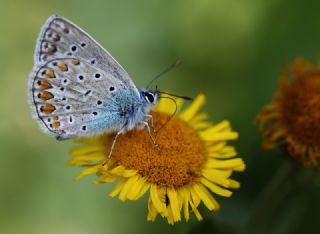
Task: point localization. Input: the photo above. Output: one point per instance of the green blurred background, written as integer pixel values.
(232, 51)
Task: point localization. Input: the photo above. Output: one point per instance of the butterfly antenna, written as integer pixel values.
(176, 63)
(171, 116)
(175, 95)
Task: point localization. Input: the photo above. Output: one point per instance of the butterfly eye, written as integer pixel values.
(149, 97)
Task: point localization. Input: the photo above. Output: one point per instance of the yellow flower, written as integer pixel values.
(293, 116)
(193, 162)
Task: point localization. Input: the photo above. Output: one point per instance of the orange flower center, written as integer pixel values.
(178, 162)
(301, 108)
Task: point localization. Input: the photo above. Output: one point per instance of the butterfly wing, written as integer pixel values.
(60, 38)
(70, 95)
(67, 98)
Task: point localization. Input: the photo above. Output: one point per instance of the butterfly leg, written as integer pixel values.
(112, 146)
(146, 124)
(150, 117)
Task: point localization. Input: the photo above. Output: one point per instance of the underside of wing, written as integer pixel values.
(60, 38)
(70, 98)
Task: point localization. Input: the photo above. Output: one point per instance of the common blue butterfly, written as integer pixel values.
(78, 89)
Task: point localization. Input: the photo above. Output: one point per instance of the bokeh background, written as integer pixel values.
(232, 51)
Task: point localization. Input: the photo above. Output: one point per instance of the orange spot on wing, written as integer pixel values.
(47, 108)
(46, 95)
(55, 118)
(63, 67)
(51, 74)
(56, 124)
(75, 62)
(45, 85)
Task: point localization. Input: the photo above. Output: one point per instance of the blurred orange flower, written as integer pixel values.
(292, 119)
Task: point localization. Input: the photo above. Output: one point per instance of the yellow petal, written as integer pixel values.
(223, 136)
(216, 173)
(87, 149)
(124, 194)
(220, 127)
(200, 117)
(106, 179)
(241, 167)
(121, 171)
(92, 157)
(174, 204)
(158, 204)
(135, 190)
(152, 212)
(170, 217)
(118, 188)
(210, 175)
(192, 110)
(167, 105)
(201, 125)
(186, 211)
(197, 214)
(199, 121)
(117, 170)
(216, 189)
(144, 189)
(194, 197)
(222, 156)
(234, 184)
(77, 163)
(88, 171)
(162, 193)
(227, 164)
(128, 173)
(195, 210)
(226, 152)
(216, 146)
(205, 196)
(185, 194)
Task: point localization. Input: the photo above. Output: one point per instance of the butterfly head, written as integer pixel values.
(149, 97)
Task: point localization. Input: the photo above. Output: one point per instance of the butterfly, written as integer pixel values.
(77, 89)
